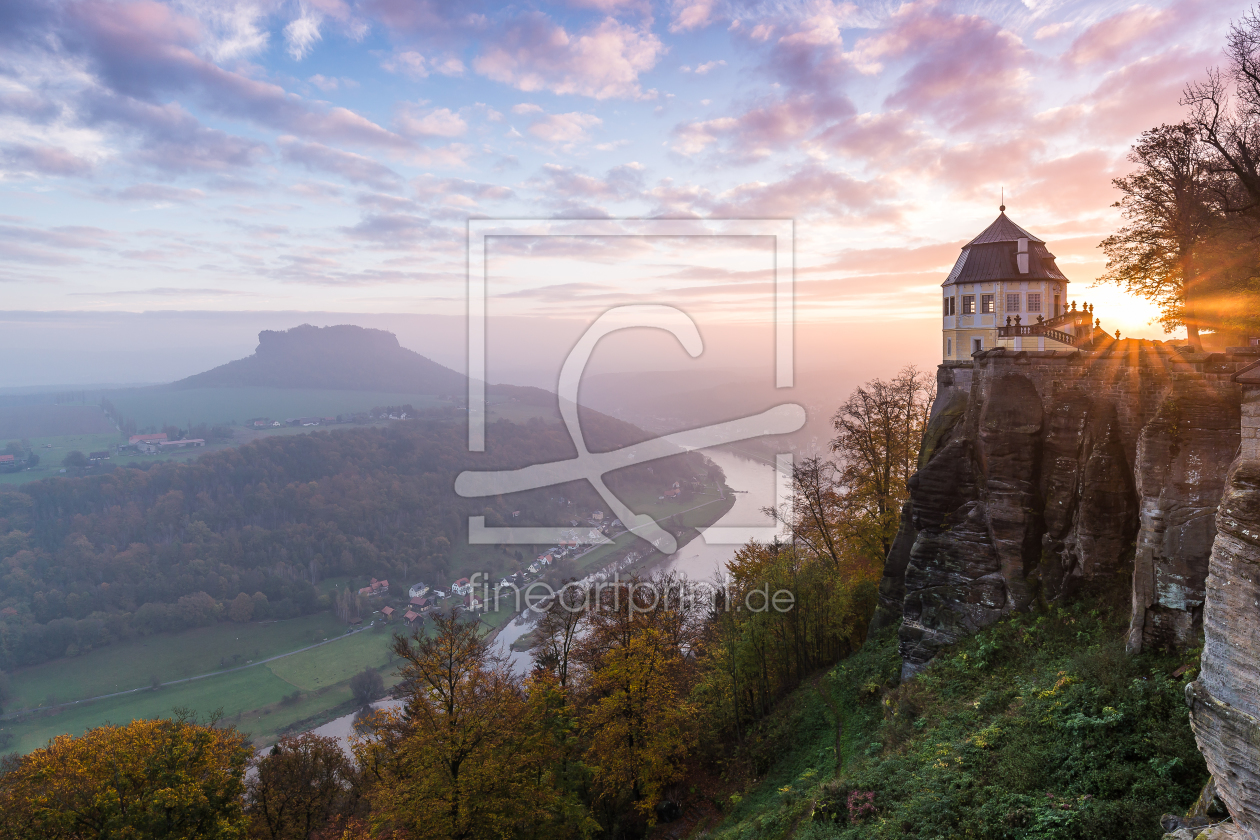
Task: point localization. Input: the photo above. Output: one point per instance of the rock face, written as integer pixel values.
(1181, 458)
(1040, 471)
(1225, 699)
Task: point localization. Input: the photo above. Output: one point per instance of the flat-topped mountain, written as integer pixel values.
(343, 357)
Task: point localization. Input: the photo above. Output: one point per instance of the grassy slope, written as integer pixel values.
(1040, 727)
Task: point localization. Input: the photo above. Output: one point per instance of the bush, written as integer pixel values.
(367, 686)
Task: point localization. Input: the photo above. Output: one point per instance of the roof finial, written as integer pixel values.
(1002, 206)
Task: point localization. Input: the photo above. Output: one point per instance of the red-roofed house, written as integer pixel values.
(375, 589)
(134, 439)
(388, 612)
(410, 617)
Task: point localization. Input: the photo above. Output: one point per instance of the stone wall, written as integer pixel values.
(1042, 470)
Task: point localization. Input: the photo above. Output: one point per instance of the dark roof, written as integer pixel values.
(991, 256)
(1003, 230)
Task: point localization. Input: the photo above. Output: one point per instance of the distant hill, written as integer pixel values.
(343, 357)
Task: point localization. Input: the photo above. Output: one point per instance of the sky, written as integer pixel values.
(324, 156)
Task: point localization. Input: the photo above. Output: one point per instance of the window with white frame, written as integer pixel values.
(1034, 301)
(949, 306)
(949, 347)
(1012, 302)
(969, 304)
(986, 304)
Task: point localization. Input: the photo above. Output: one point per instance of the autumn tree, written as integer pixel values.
(151, 778)
(635, 681)
(241, 609)
(299, 787)
(1170, 203)
(878, 432)
(556, 632)
(462, 759)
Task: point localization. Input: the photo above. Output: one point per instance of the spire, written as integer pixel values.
(1002, 206)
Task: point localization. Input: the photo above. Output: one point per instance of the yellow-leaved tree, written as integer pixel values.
(150, 779)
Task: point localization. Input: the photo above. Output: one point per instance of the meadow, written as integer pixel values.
(263, 699)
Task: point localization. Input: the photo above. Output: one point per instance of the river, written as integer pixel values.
(753, 483)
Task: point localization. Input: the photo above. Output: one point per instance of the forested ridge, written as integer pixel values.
(148, 549)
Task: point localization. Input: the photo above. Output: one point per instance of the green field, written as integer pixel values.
(330, 664)
(262, 700)
(156, 407)
(134, 663)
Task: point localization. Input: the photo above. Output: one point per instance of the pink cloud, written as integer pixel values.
(890, 139)
(976, 169)
(1072, 184)
(433, 189)
(966, 71)
(603, 62)
(170, 138)
(763, 129)
(562, 129)
(23, 159)
(355, 168)
(163, 193)
(1134, 30)
(809, 192)
(437, 122)
(691, 14)
(1142, 94)
(142, 48)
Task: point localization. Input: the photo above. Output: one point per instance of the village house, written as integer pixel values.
(418, 591)
(388, 612)
(135, 440)
(410, 616)
(461, 587)
(375, 589)
(150, 447)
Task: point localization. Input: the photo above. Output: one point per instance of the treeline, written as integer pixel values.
(84, 561)
(1192, 204)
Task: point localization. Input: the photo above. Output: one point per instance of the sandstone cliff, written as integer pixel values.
(1225, 699)
(1043, 470)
